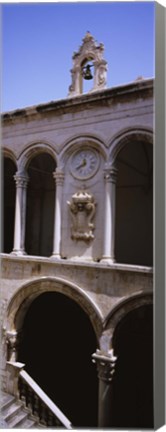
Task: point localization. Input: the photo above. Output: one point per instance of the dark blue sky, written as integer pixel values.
(38, 40)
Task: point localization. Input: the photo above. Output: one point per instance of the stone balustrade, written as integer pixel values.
(21, 385)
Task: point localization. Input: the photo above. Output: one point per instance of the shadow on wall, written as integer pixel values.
(134, 205)
(40, 206)
(133, 380)
(9, 192)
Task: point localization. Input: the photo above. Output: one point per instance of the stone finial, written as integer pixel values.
(91, 51)
(87, 37)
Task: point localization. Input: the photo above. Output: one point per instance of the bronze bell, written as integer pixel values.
(86, 72)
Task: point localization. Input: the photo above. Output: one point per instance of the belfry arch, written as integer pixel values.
(90, 54)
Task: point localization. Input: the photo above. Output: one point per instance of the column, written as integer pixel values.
(21, 180)
(105, 367)
(59, 180)
(110, 174)
(76, 86)
(78, 80)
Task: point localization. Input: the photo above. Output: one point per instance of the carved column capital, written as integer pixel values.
(21, 179)
(11, 337)
(12, 341)
(105, 365)
(110, 173)
(58, 176)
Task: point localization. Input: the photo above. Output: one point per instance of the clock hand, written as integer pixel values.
(83, 163)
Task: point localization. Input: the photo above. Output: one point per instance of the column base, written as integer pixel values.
(107, 260)
(18, 252)
(56, 257)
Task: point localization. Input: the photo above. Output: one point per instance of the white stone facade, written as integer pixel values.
(105, 124)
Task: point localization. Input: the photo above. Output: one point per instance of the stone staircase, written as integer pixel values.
(25, 405)
(15, 415)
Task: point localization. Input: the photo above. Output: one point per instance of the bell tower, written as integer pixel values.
(88, 63)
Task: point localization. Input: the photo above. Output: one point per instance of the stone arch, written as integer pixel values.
(126, 136)
(82, 140)
(39, 163)
(22, 299)
(120, 310)
(131, 153)
(56, 355)
(33, 150)
(9, 169)
(132, 343)
(7, 153)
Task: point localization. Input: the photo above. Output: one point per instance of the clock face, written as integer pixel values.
(84, 163)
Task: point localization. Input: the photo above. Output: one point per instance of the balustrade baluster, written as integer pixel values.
(36, 405)
(57, 422)
(42, 408)
(23, 392)
(29, 398)
(19, 387)
(50, 418)
(43, 414)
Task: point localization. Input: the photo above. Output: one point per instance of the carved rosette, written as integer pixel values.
(105, 365)
(82, 209)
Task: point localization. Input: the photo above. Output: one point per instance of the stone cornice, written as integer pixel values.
(140, 88)
(126, 268)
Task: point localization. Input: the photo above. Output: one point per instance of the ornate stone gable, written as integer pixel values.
(88, 51)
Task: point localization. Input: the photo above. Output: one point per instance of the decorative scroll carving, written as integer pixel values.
(89, 50)
(82, 208)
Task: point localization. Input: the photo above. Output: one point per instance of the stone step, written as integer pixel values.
(18, 420)
(11, 410)
(6, 400)
(29, 423)
(14, 414)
